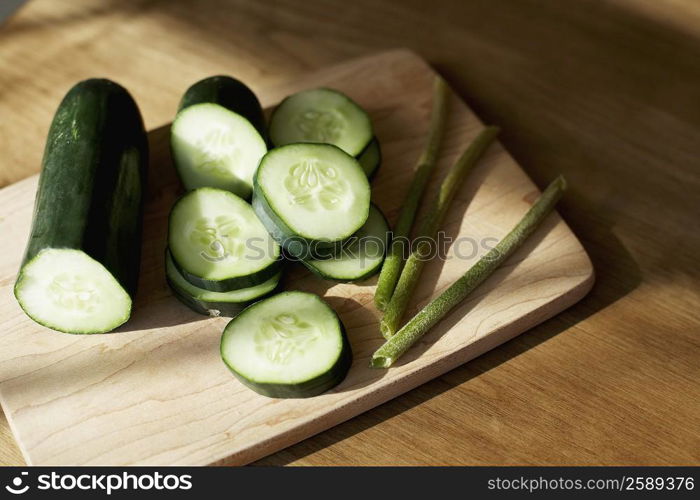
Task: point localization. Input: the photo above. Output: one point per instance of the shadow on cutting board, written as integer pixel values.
(601, 296)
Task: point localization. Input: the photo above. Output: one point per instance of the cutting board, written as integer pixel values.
(156, 391)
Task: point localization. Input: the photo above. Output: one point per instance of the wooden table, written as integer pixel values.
(605, 92)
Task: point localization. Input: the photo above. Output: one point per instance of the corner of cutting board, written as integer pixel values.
(402, 53)
(584, 286)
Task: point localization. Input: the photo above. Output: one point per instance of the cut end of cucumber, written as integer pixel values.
(289, 345)
(213, 146)
(69, 291)
(324, 116)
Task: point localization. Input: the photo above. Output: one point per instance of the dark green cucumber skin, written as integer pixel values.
(320, 274)
(373, 172)
(230, 284)
(370, 272)
(310, 388)
(227, 309)
(295, 246)
(229, 93)
(93, 178)
(323, 276)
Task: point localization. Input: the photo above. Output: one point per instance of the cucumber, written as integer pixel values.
(311, 197)
(218, 136)
(81, 264)
(218, 243)
(321, 115)
(361, 257)
(371, 158)
(215, 303)
(291, 345)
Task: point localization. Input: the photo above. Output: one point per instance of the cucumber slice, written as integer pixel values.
(213, 146)
(310, 196)
(321, 115)
(291, 345)
(218, 243)
(215, 303)
(371, 158)
(71, 292)
(361, 257)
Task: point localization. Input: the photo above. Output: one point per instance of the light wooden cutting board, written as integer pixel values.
(156, 391)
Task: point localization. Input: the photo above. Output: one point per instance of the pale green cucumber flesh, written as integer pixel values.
(215, 147)
(218, 243)
(290, 345)
(314, 192)
(69, 291)
(324, 116)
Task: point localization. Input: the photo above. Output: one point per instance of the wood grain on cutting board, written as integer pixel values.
(156, 392)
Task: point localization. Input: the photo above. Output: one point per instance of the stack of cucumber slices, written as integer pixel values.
(256, 197)
(220, 258)
(310, 202)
